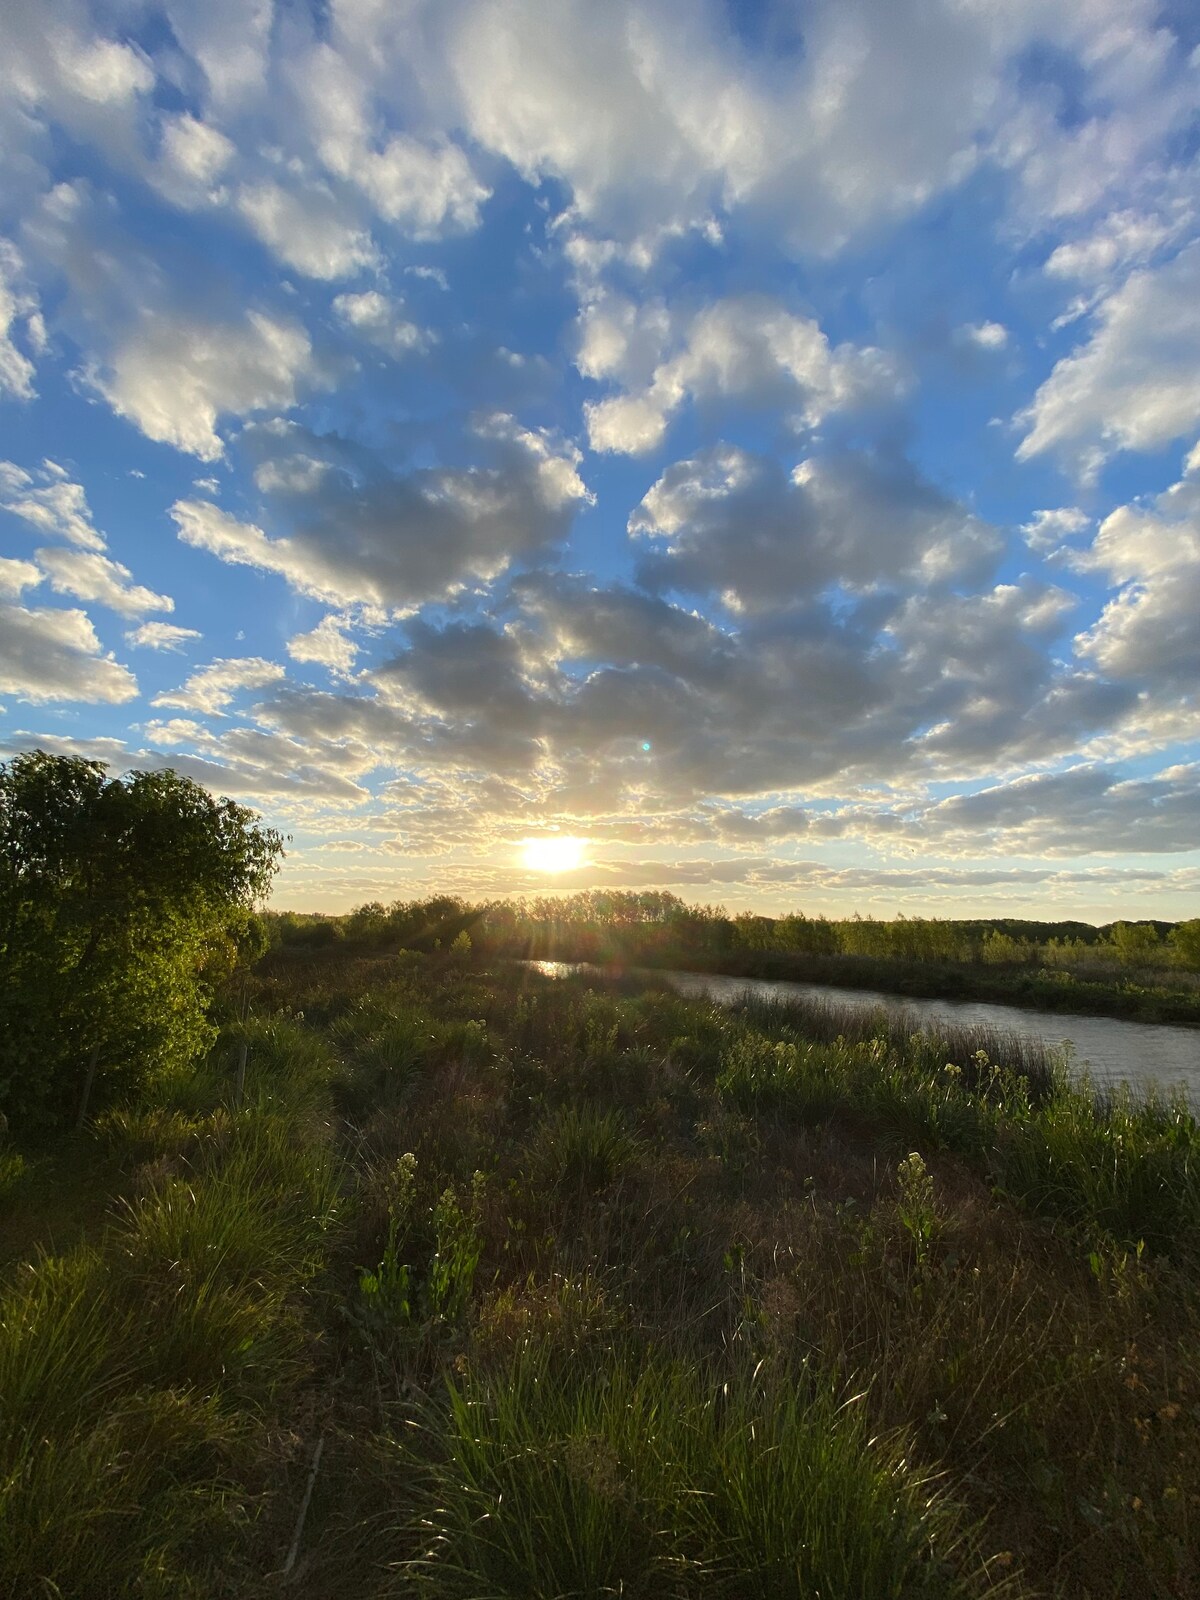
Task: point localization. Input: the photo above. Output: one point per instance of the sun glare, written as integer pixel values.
(553, 854)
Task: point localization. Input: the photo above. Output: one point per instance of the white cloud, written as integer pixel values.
(326, 644)
(192, 157)
(213, 688)
(307, 229)
(55, 655)
(17, 304)
(1150, 632)
(1136, 384)
(1047, 531)
(161, 636)
(1120, 240)
(170, 351)
(100, 70)
(230, 39)
(89, 576)
(429, 190)
(749, 349)
(175, 376)
(986, 335)
(49, 502)
(16, 576)
(379, 320)
(426, 187)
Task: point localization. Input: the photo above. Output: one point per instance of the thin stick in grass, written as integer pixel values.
(308, 1489)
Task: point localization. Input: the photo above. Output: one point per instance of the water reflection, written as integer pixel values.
(1112, 1051)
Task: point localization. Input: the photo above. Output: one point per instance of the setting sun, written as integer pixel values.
(553, 854)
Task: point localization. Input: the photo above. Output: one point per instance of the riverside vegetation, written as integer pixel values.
(584, 1289)
(1144, 971)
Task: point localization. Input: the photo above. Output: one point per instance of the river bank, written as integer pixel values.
(1146, 1056)
(1038, 990)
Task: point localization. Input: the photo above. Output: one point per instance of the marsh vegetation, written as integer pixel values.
(588, 1289)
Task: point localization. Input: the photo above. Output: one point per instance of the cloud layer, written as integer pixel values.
(760, 440)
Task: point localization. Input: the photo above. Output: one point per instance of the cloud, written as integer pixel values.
(1047, 531)
(1135, 385)
(1085, 810)
(326, 644)
(306, 229)
(364, 533)
(1149, 633)
(170, 350)
(246, 763)
(749, 349)
(229, 39)
(379, 321)
(426, 187)
(605, 698)
(212, 688)
(50, 503)
(161, 636)
(654, 118)
(89, 576)
(1118, 241)
(55, 655)
(173, 377)
(738, 525)
(55, 67)
(193, 155)
(984, 335)
(16, 576)
(17, 304)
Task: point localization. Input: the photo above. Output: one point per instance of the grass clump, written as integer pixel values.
(578, 1151)
(659, 1478)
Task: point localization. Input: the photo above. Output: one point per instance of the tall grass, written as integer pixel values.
(131, 1368)
(607, 1293)
(659, 1478)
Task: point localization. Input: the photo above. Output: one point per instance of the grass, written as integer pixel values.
(660, 1478)
(590, 1289)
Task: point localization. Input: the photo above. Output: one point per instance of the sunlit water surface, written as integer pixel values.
(1111, 1051)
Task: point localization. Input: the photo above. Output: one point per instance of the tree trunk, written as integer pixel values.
(93, 1061)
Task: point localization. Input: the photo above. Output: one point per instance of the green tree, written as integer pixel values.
(1136, 943)
(122, 901)
(1185, 941)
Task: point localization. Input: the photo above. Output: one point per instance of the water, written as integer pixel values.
(1137, 1053)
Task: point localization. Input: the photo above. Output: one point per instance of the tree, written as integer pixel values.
(122, 901)
(1135, 943)
(1185, 941)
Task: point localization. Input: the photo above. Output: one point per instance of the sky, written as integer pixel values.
(757, 440)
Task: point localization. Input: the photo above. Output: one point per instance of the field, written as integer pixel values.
(490, 1285)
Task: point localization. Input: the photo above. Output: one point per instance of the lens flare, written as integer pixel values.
(553, 853)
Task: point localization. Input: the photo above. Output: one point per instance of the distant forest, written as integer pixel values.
(656, 927)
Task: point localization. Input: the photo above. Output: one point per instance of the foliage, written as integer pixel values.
(121, 901)
(658, 1479)
(1185, 941)
(640, 1320)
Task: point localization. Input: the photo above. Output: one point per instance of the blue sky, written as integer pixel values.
(759, 441)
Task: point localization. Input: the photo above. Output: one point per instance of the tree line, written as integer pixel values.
(654, 925)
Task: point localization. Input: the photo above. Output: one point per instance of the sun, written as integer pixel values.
(553, 853)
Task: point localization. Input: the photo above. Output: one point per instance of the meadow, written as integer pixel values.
(483, 1285)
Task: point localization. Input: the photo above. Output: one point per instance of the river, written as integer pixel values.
(1138, 1053)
